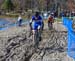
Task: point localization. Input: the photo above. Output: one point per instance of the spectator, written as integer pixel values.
(19, 20)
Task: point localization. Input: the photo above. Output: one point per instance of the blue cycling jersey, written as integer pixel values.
(36, 18)
(36, 21)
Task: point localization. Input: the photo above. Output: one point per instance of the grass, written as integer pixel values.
(58, 19)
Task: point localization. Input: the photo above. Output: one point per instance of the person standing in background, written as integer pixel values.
(19, 20)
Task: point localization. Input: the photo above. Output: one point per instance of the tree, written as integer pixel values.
(41, 5)
(7, 5)
(28, 4)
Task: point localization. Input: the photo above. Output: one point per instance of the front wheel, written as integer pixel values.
(34, 37)
(39, 34)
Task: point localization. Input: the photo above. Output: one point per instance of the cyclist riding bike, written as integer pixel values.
(36, 24)
(50, 21)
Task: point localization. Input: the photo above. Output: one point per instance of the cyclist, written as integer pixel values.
(50, 21)
(36, 23)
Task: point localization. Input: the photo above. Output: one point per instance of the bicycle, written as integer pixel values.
(36, 36)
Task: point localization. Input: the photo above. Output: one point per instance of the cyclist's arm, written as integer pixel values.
(19, 18)
(30, 21)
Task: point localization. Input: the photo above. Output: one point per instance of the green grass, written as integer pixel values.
(58, 19)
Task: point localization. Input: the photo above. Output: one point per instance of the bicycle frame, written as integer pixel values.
(50, 25)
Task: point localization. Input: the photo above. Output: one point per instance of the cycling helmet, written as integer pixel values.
(37, 13)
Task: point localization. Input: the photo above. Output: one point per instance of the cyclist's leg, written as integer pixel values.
(30, 32)
(34, 28)
(51, 25)
(33, 36)
(48, 25)
(39, 32)
(42, 26)
(20, 22)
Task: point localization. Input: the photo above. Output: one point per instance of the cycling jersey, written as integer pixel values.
(50, 19)
(36, 22)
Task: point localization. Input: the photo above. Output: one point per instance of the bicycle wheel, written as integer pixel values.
(34, 37)
(39, 35)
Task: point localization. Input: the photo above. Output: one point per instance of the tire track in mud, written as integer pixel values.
(20, 47)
